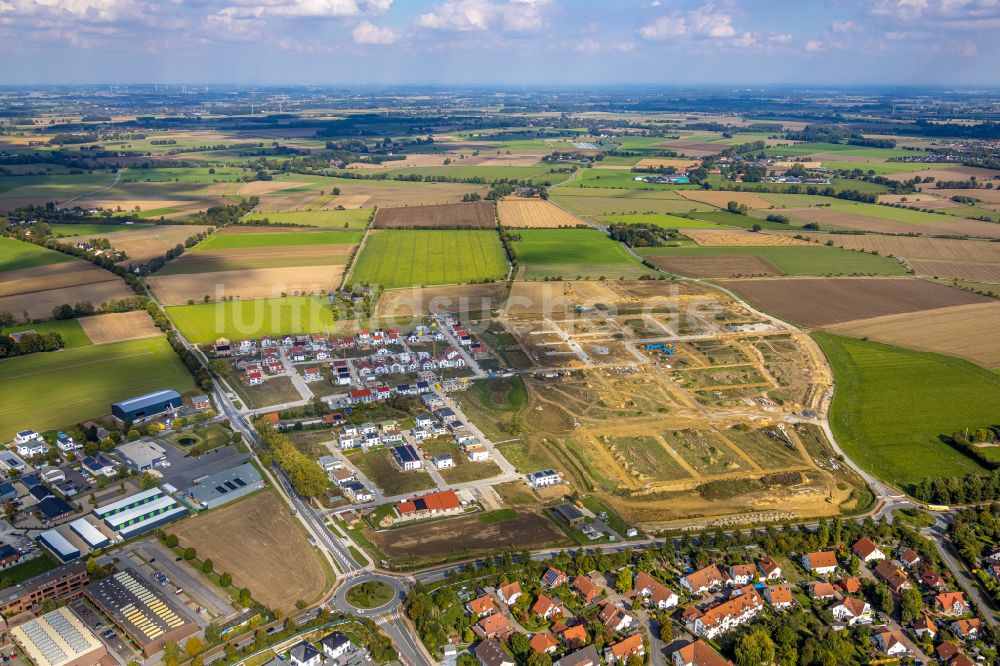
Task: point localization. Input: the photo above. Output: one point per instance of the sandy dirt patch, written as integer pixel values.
(967, 331)
(721, 238)
(722, 266)
(722, 199)
(348, 202)
(909, 247)
(405, 303)
(534, 214)
(119, 326)
(279, 202)
(39, 304)
(919, 200)
(559, 298)
(53, 276)
(256, 540)
(244, 284)
(821, 302)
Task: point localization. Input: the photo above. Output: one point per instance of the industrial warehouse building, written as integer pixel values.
(59, 545)
(139, 513)
(58, 638)
(142, 455)
(145, 406)
(92, 536)
(148, 617)
(225, 486)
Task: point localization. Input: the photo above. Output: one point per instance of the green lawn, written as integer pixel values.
(382, 470)
(63, 388)
(660, 220)
(331, 219)
(907, 215)
(206, 322)
(33, 567)
(274, 238)
(15, 254)
(617, 178)
(398, 258)
(70, 330)
(820, 260)
(892, 406)
(569, 253)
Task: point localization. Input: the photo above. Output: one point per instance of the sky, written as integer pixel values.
(502, 42)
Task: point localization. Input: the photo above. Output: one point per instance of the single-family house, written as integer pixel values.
(545, 608)
(822, 563)
(893, 576)
(443, 461)
(909, 558)
(304, 654)
(312, 374)
(509, 592)
(66, 443)
(336, 645)
(615, 618)
(26, 436)
(481, 606)
(573, 636)
(586, 589)
(947, 651)
(779, 596)
(624, 649)
(866, 549)
(924, 628)
(703, 580)
(967, 629)
(741, 575)
(491, 653)
(544, 643)
(849, 585)
(890, 642)
(493, 626)
(852, 610)
(698, 653)
(554, 578)
(653, 591)
(586, 656)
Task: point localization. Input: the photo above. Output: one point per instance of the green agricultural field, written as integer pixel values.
(53, 188)
(659, 220)
(793, 260)
(598, 202)
(907, 215)
(98, 229)
(609, 178)
(886, 168)
(206, 322)
(274, 238)
(413, 258)
(779, 200)
(539, 173)
(800, 149)
(893, 405)
(568, 253)
(185, 175)
(15, 254)
(70, 330)
(836, 184)
(740, 221)
(58, 389)
(330, 219)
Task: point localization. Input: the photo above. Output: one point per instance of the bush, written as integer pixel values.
(190, 553)
(225, 580)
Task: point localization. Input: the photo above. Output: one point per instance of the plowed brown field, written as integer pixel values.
(477, 215)
(835, 218)
(824, 301)
(39, 304)
(53, 276)
(249, 258)
(141, 245)
(722, 266)
(119, 326)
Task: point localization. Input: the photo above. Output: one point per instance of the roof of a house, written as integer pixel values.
(626, 646)
(707, 577)
(736, 605)
(864, 547)
(822, 559)
(700, 653)
(482, 605)
(657, 591)
(768, 565)
(509, 589)
(849, 585)
(925, 623)
(543, 605)
(586, 588)
(822, 589)
(779, 594)
(543, 642)
(303, 651)
(444, 500)
(491, 653)
(853, 605)
(950, 598)
(494, 624)
(587, 656)
(552, 575)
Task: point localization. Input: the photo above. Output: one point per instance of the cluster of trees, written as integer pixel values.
(28, 344)
(305, 474)
(639, 235)
(745, 148)
(967, 489)
(507, 239)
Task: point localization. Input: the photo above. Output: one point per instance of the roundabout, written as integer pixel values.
(370, 595)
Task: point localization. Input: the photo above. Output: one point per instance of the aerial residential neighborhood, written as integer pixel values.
(500, 333)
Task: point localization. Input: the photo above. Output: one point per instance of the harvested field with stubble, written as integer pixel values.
(722, 199)
(475, 215)
(953, 173)
(957, 270)
(418, 301)
(179, 288)
(989, 196)
(664, 162)
(948, 226)
(141, 245)
(436, 540)
(534, 214)
(717, 266)
(966, 331)
(821, 302)
(253, 258)
(260, 187)
(254, 540)
(388, 193)
(119, 326)
(39, 304)
(726, 238)
(53, 276)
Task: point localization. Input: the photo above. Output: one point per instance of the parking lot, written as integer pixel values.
(105, 631)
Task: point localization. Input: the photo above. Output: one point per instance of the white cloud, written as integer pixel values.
(705, 21)
(367, 32)
(308, 8)
(664, 27)
(745, 41)
(814, 46)
(844, 26)
(905, 10)
(480, 15)
(780, 38)
(967, 48)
